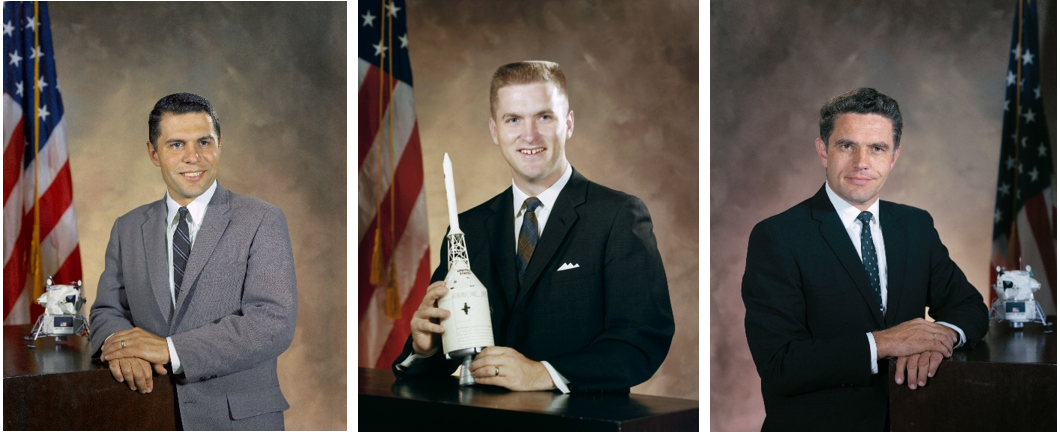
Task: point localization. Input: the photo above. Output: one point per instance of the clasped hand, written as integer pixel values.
(919, 345)
(132, 354)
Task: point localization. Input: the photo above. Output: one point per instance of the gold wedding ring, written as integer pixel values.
(123, 344)
(496, 370)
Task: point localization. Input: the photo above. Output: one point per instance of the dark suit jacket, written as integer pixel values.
(809, 304)
(234, 316)
(606, 325)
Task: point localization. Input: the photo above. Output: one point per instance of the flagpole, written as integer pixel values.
(376, 274)
(393, 299)
(34, 252)
(1013, 243)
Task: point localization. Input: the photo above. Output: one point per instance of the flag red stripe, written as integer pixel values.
(54, 201)
(408, 182)
(408, 178)
(13, 160)
(369, 117)
(15, 272)
(1038, 218)
(53, 204)
(395, 341)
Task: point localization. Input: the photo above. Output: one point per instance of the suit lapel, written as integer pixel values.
(894, 241)
(837, 238)
(153, 231)
(499, 229)
(560, 221)
(214, 223)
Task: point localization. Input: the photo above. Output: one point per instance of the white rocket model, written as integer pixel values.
(469, 327)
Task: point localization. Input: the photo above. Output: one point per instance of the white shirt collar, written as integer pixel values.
(196, 208)
(547, 198)
(847, 212)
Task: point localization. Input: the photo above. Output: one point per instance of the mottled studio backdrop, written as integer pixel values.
(276, 73)
(774, 64)
(632, 70)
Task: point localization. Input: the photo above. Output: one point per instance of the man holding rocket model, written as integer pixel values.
(575, 282)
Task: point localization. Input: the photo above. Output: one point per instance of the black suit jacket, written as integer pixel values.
(605, 325)
(809, 304)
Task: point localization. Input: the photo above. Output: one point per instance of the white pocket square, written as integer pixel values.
(568, 266)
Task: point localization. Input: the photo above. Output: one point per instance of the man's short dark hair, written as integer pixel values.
(863, 101)
(179, 104)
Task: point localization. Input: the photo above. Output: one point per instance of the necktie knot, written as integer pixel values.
(532, 203)
(865, 217)
(183, 214)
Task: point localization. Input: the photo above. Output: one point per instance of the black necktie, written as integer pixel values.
(181, 250)
(868, 255)
(527, 236)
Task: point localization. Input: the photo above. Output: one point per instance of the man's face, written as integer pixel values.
(859, 156)
(189, 153)
(531, 124)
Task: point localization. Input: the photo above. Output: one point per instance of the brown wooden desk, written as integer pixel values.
(1007, 383)
(55, 386)
(384, 404)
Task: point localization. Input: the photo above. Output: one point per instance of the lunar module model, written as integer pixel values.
(469, 328)
(62, 305)
(1015, 298)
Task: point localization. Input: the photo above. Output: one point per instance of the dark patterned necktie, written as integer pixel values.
(527, 236)
(181, 250)
(868, 255)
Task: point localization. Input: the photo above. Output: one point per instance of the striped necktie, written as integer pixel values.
(181, 250)
(527, 236)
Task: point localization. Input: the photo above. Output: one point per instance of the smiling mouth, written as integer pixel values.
(192, 174)
(532, 152)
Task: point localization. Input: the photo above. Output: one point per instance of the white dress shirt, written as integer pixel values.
(196, 212)
(848, 216)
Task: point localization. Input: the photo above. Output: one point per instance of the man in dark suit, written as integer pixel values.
(586, 308)
(200, 283)
(838, 283)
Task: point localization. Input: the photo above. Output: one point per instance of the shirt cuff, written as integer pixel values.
(557, 379)
(413, 357)
(872, 353)
(177, 369)
(959, 332)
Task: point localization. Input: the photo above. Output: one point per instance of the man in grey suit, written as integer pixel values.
(200, 283)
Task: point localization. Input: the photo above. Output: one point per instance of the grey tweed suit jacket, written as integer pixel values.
(234, 316)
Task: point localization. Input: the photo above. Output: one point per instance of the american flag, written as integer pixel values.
(1025, 212)
(40, 227)
(393, 266)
